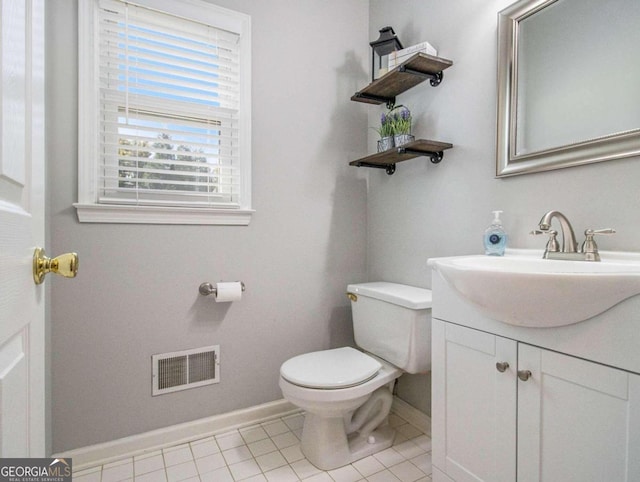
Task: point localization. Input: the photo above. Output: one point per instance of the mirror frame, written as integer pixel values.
(508, 162)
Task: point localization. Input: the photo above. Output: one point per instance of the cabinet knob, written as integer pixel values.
(524, 375)
(502, 366)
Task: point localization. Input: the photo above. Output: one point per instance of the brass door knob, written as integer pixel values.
(65, 265)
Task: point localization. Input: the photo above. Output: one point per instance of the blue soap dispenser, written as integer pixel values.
(495, 237)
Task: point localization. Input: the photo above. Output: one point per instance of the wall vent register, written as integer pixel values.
(181, 370)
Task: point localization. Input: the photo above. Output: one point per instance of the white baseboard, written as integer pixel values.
(176, 434)
(412, 415)
(106, 452)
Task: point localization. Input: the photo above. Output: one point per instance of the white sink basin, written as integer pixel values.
(524, 290)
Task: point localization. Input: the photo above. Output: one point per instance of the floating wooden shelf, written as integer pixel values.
(408, 74)
(387, 159)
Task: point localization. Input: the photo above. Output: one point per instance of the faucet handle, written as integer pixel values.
(552, 244)
(591, 232)
(589, 247)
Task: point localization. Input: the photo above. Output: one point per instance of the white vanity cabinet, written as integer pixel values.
(473, 405)
(563, 419)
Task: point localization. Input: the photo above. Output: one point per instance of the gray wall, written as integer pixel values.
(136, 293)
(427, 210)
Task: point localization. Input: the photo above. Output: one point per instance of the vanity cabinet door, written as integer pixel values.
(473, 404)
(577, 420)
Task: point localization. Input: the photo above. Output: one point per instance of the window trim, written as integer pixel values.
(88, 208)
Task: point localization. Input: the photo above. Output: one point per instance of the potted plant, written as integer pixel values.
(395, 128)
(386, 131)
(401, 121)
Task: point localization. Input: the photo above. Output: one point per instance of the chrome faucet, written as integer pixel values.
(589, 249)
(569, 243)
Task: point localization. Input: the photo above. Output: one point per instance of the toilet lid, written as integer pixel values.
(337, 368)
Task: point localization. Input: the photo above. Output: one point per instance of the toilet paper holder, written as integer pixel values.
(207, 289)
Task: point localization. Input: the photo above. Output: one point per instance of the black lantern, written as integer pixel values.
(380, 51)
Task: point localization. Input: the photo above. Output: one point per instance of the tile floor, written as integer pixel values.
(269, 452)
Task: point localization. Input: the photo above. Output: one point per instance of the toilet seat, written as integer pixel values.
(330, 369)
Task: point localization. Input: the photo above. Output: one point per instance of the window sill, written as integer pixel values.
(102, 213)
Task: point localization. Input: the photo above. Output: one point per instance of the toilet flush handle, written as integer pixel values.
(352, 297)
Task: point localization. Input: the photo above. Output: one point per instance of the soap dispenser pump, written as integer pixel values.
(495, 237)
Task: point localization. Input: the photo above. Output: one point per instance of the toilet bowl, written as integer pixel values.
(347, 393)
(334, 432)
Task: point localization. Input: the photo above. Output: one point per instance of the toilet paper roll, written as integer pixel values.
(228, 291)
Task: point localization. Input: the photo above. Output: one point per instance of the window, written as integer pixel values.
(164, 113)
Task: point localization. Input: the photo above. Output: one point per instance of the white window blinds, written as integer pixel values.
(169, 107)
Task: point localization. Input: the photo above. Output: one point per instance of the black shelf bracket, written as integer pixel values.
(389, 101)
(389, 168)
(436, 78)
(435, 157)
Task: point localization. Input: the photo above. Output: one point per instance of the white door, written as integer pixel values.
(577, 420)
(22, 421)
(473, 404)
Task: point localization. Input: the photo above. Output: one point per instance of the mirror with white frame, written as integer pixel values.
(568, 84)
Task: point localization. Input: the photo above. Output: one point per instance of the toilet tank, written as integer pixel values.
(393, 321)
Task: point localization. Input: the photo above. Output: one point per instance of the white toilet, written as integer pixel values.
(346, 393)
